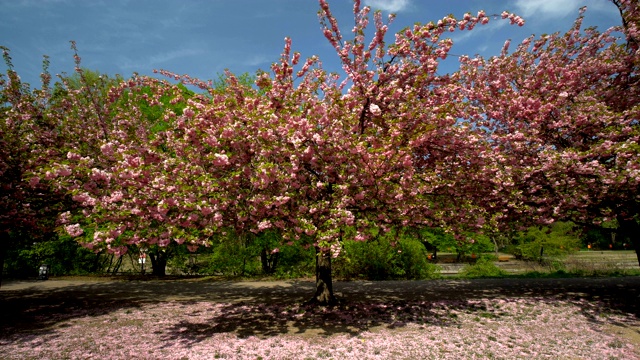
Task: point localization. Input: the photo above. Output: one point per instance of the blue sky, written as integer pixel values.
(203, 37)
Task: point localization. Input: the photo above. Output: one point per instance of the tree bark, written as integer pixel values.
(4, 244)
(158, 263)
(269, 261)
(630, 228)
(636, 244)
(495, 245)
(324, 285)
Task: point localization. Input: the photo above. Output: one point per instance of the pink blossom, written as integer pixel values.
(375, 110)
(192, 247)
(73, 156)
(115, 197)
(107, 149)
(221, 160)
(74, 230)
(64, 218)
(263, 225)
(34, 181)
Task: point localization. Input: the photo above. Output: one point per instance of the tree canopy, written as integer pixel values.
(543, 133)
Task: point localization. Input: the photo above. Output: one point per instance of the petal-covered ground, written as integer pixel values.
(567, 325)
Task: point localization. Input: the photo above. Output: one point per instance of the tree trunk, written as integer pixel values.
(4, 245)
(158, 263)
(111, 257)
(269, 261)
(117, 266)
(631, 229)
(324, 285)
(96, 263)
(636, 245)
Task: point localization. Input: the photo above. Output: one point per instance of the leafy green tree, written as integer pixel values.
(235, 255)
(62, 253)
(436, 239)
(221, 83)
(559, 239)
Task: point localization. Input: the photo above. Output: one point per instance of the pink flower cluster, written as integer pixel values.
(74, 230)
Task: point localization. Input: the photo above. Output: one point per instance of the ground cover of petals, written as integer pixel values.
(506, 328)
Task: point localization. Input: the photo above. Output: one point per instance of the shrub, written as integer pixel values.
(484, 267)
(379, 259)
(295, 262)
(414, 260)
(373, 260)
(234, 256)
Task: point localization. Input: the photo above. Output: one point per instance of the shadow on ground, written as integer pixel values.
(269, 308)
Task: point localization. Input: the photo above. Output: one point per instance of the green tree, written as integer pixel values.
(561, 238)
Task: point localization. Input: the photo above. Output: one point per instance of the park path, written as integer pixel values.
(623, 290)
(35, 306)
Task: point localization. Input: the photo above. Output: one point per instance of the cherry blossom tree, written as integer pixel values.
(312, 154)
(122, 182)
(315, 156)
(28, 209)
(546, 132)
(562, 115)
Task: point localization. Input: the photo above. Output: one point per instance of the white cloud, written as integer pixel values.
(547, 8)
(392, 6)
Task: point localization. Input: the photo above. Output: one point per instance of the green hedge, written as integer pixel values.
(379, 259)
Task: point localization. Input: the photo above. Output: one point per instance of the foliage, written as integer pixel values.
(600, 239)
(223, 82)
(154, 111)
(234, 256)
(484, 267)
(62, 253)
(295, 261)
(413, 260)
(384, 259)
(93, 86)
(437, 239)
(559, 239)
(374, 260)
(562, 112)
(185, 262)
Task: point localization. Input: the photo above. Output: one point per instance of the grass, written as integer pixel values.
(582, 264)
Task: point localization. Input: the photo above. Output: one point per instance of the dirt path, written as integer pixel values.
(620, 291)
